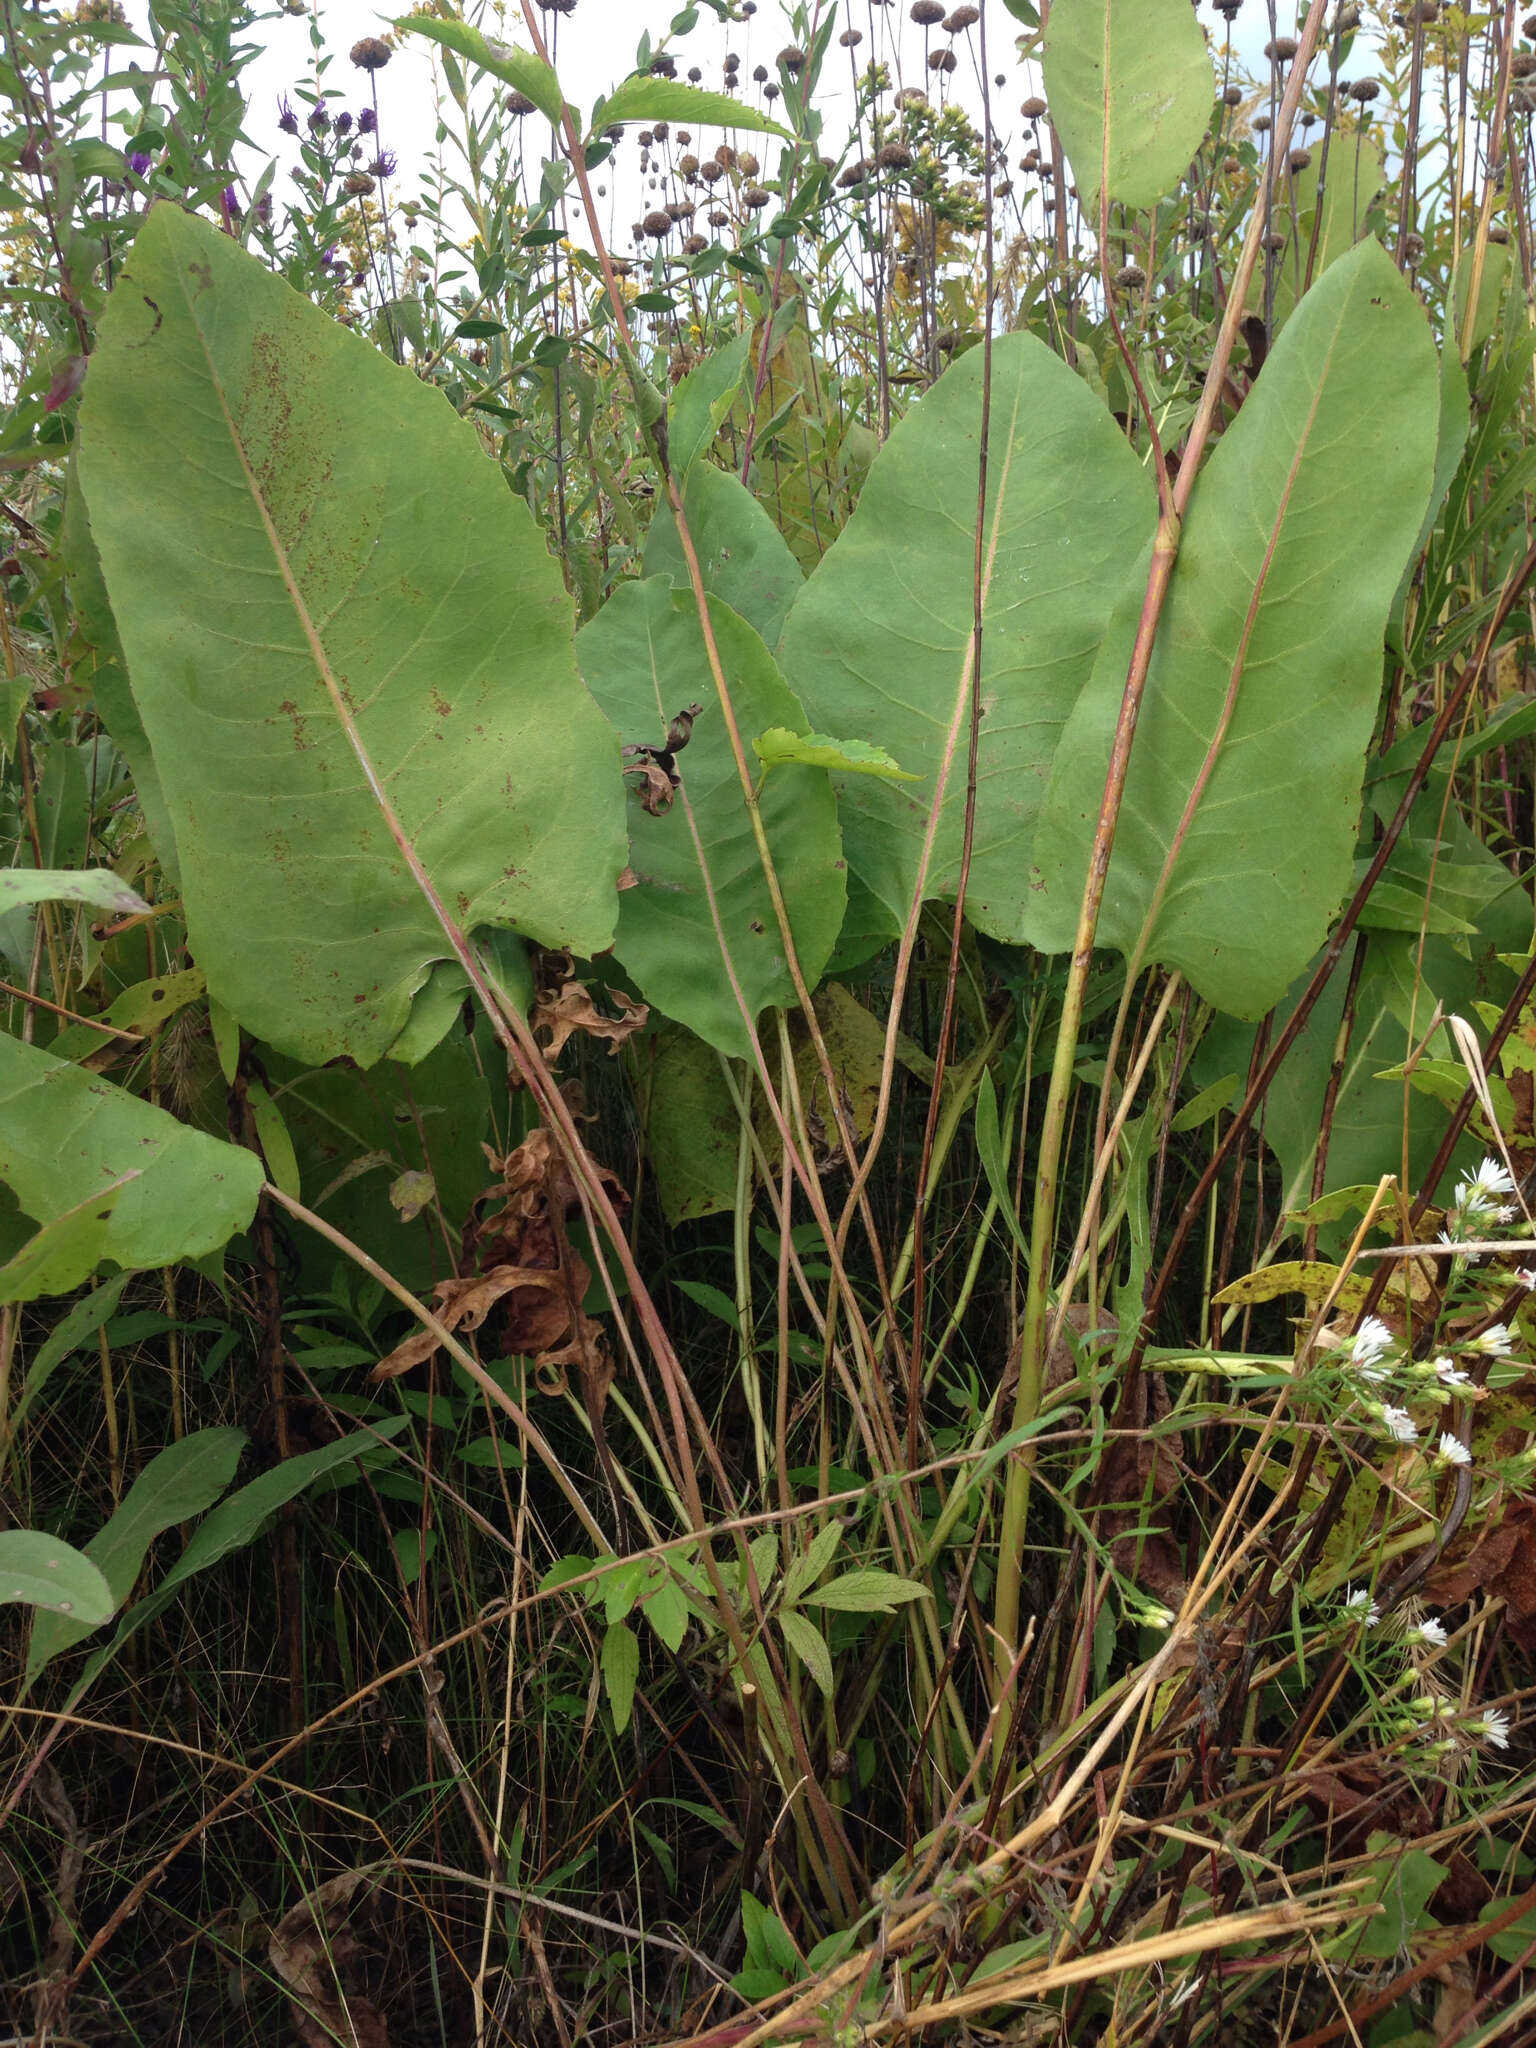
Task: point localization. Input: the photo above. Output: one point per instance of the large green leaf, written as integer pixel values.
(878, 646)
(298, 535)
(177, 1483)
(97, 659)
(1265, 677)
(1130, 89)
(40, 1571)
(692, 1129)
(743, 557)
(160, 1191)
(644, 658)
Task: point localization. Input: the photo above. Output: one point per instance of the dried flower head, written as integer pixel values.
(371, 53)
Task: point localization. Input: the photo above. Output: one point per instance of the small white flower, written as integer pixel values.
(1494, 1727)
(1489, 1182)
(1431, 1632)
(1526, 1275)
(1370, 1342)
(1506, 1212)
(1452, 1450)
(1359, 1606)
(1451, 1375)
(1398, 1423)
(1495, 1342)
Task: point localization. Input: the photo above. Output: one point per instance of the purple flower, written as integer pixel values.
(329, 257)
(264, 208)
(343, 124)
(319, 120)
(385, 164)
(230, 207)
(138, 163)
(287, 119)
(367, 121)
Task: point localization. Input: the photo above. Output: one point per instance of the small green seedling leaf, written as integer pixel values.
(816, 750)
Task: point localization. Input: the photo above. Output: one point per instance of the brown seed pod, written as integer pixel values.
(792, 57)
(718, 217)
(1300, 158)
(357, 185)
(518, 104)
(371, 54)
(895, 157)
(855, 174)
(1232, 96)
(710, 171)
(1260, 123)
(1281, 50)
(1497, 232)
(656, 225)
(687, 166)
(1033, 107)
(851, 38)
(1130, 277)
(1364, 90)
(660, 130)
(747, 164)
(926, 12)
(1522, 63)
(942, 60)
(754, 199)
(695, 245)
(725, 156)
(962, 19)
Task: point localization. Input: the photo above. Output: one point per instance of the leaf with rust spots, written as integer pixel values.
(329, 603)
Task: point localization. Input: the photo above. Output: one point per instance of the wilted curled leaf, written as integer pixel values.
(309, 1950)
(411, 1192)
(560, 1013)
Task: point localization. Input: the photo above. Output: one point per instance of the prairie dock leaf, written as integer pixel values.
(1237, 830)
(329, 602)
(879, 640)
(1130, 87)
(700, 880)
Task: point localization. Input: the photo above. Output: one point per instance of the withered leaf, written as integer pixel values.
(309, 1947)
(558, 1014)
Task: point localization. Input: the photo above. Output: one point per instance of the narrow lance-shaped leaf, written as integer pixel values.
(1130, 88)
(96, 888)
(329, 601)
(644, 98)
(518, 68)
(40, 1571)
(700, 879)
(1237, 830)
(879, 642)
(147, 1189)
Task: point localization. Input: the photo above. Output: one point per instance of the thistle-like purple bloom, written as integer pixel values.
(230, 207)
(319, 120)
(287, 119)
(343, 124)
(138, 163)
(367, 121)
(385, 164)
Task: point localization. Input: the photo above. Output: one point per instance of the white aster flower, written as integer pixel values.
(1431, 1632)
(1526, 1275)
(1484, 1187)
(1495, 1342)
(1359, 1606)
(1452, 1450)
(1450, 1374)
(1370, 1343)
(1494, 1727)
(1398, 1423)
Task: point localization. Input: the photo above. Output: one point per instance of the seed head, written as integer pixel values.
(792, 57)
(895, 157)
(942, 60)
(1232, 96)
(1130, 277)
(656, 225)
(357, 185)
(1364, 90)
(962, 19)
(851, 38)
(1281, 50)
(1522, 63)
(371, 54)
(1033, 107)
(926, 12)
(746, 163)
(754, 199)
(695, 245)
(1300, 158)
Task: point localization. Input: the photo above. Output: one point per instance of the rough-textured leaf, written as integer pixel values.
(743, 558)
(879, 641)
(517, 68)
(643, 656)
(98, 663)
(867, 1591)
(645, 98)
(67, 1137)
(97, 887)
(1265, 678)
(1130, 88)
(700, 402)
(320, 534)
(810, 1646)
(621, 1667)
(177, 1483)
(40, 1571)
(816, 750)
